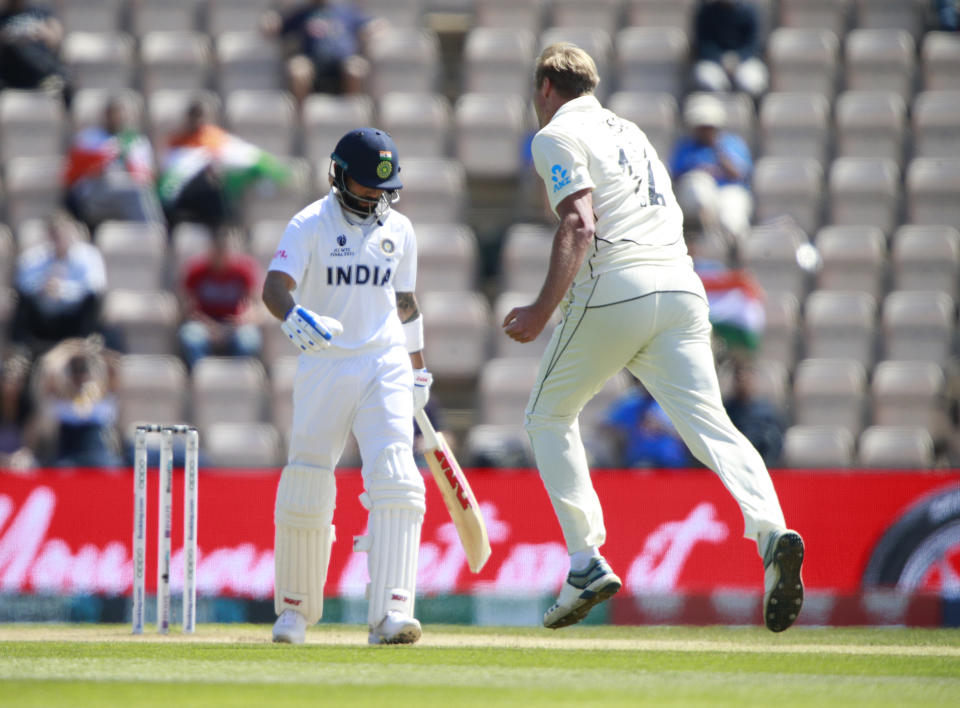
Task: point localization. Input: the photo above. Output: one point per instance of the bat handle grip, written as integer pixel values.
(430, 440)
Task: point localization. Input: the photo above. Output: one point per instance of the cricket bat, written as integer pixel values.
(457, 495)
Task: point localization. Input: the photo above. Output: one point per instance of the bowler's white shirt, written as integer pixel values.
(638, 220)
(350, 272)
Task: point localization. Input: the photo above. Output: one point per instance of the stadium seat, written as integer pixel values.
(405, 59)
(817, 446)
(32, 124)
(789, 186)
(940, 61)
(498, 60)
(265, 118)
(265, 200)
(227, 390)
(854, 259)
(434, 191)
(770, 380)
(169, 16)
(327, 118)
(264, 238)
(490, 132)
(870, 124)
(600, 14)
(447, 257)
(147, 322)
(8, 258)
(242, 445)
(908, 15)
(246, 61)
(794, 124)
(781, 320)
(420, 124)
(880, 60)
(88, 106)
(830, 392)
(504, 346)
(33, 187)
(100, 60)
(519, 14)
(134, 254)
(864, 191)
(166, 110)
(655, 114)
(504, 388)
(235, 15)
(918, 326)
(771, 256)
(399, 13)
(91, 15)
(840, 324)
(909, 393)
(897, 447)
(803, 60)
(187, 240)
(935, 119)
(457, 325)
(150, 387)
(524, 257)
(932, 186)
(595, 42)
(174, 60)
(833, 15)
(660, 13)
(926, 258)
(652, 60)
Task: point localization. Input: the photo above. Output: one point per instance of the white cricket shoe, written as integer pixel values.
(582, 590)
(782, 584)
(290, 628)
(396, 628)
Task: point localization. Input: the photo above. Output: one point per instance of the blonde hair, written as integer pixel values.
(570, 69)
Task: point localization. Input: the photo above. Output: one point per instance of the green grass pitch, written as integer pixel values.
(452, 666)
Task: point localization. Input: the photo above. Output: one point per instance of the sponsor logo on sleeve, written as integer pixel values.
(560, 177)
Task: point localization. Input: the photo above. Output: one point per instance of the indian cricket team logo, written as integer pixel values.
(388, 246)
(385, 166)
(560, 177)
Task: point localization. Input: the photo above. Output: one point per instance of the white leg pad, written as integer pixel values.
(304, 535)
(395, 495)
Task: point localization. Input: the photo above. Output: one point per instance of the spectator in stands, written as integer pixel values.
(757, 418)
(30, 39)
(77, 382)
(711, 169)
(948, 14)
(642, 433)
(59, 286)
(110, 172)
(17, 421)
(216, 291)
(726, 48)
(328, 41)
(206, 170)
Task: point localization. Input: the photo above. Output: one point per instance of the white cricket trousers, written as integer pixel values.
(662, 338)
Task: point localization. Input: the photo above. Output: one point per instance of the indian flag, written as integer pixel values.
(736, 307)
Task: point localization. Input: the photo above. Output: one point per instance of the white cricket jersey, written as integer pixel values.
(350, 272)
(638, 220)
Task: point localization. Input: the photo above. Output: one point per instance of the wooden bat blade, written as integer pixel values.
(457, 495)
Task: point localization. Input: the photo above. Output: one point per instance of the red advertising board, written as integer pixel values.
(667, 531)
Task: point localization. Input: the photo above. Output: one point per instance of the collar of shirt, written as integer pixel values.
(580, 103)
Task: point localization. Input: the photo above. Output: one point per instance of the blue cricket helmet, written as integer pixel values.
(369, 156)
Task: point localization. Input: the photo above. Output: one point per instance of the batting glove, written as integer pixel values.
(422, 381)
(310, 331)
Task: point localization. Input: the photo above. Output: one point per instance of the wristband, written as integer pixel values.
(413, 330)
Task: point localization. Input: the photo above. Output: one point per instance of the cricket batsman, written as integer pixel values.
(620, 272)
(342, 284)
